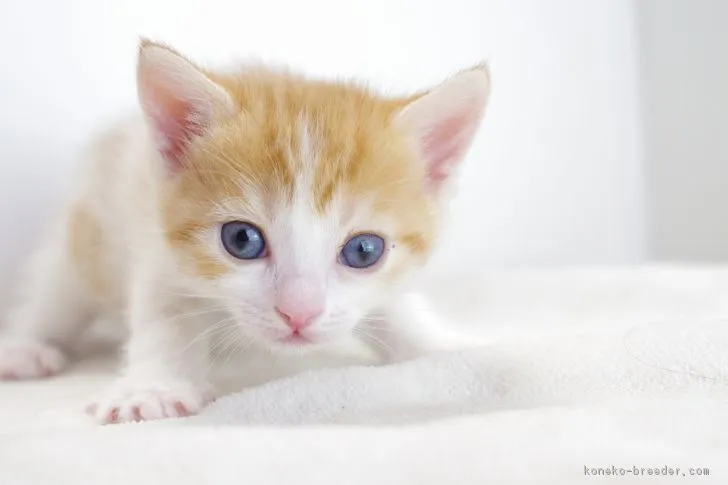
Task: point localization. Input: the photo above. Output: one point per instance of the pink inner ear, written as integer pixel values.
(444, 145)
(173, 121)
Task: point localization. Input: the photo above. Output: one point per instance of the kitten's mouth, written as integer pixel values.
(295, 338)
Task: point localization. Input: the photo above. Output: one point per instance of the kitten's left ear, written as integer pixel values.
(179, 99)
(444, 121)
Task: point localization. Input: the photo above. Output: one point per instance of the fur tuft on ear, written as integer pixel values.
(444, 121)
(179, 100)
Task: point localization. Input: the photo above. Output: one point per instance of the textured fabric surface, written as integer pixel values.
(589, 371)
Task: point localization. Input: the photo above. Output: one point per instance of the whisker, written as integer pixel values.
(375, 339)
(217, 327)
(239, 348)
(200, 312)
(370, 324)
(223, 341)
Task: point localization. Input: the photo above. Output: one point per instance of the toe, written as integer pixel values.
(150, 404)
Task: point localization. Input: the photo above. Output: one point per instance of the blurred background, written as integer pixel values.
(604, 144)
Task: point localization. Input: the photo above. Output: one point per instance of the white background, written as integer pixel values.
(556, 177)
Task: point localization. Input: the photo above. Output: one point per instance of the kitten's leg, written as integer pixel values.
(167, 362)
(53, 309)
(409, 328)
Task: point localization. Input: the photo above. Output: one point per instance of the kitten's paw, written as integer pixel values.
(131, 403)
(28, 359)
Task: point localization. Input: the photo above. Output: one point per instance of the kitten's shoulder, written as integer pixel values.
(118, 137)
(117, 150)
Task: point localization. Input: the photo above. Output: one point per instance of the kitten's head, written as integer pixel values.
(301, 205)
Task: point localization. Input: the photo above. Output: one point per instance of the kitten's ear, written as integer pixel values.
(179, 100)
(444, 121)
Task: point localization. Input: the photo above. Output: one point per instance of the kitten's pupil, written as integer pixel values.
(366, 250)
(244, 237)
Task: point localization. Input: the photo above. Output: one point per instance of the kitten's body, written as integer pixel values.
(310, 164)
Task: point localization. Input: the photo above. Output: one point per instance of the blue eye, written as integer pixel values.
(362, 251)
(242, 240)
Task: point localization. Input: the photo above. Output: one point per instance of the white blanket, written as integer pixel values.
(589, 372)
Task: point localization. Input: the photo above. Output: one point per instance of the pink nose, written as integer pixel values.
(300, 318)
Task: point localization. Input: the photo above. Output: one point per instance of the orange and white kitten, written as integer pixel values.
(297, 208)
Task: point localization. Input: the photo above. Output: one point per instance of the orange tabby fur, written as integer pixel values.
(360, 154)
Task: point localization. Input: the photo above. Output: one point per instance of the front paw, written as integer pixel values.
(129, 403)
(29, 359)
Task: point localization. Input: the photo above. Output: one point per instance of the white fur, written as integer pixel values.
(174, 318)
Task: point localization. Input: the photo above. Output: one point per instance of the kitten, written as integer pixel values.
(289, 208)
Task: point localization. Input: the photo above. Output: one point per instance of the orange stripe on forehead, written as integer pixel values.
(354, 130)
(346, 127)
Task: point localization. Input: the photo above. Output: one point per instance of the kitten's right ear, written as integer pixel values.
(179, 100)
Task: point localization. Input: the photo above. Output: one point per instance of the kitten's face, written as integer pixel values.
(303, 224)
(301, 206)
